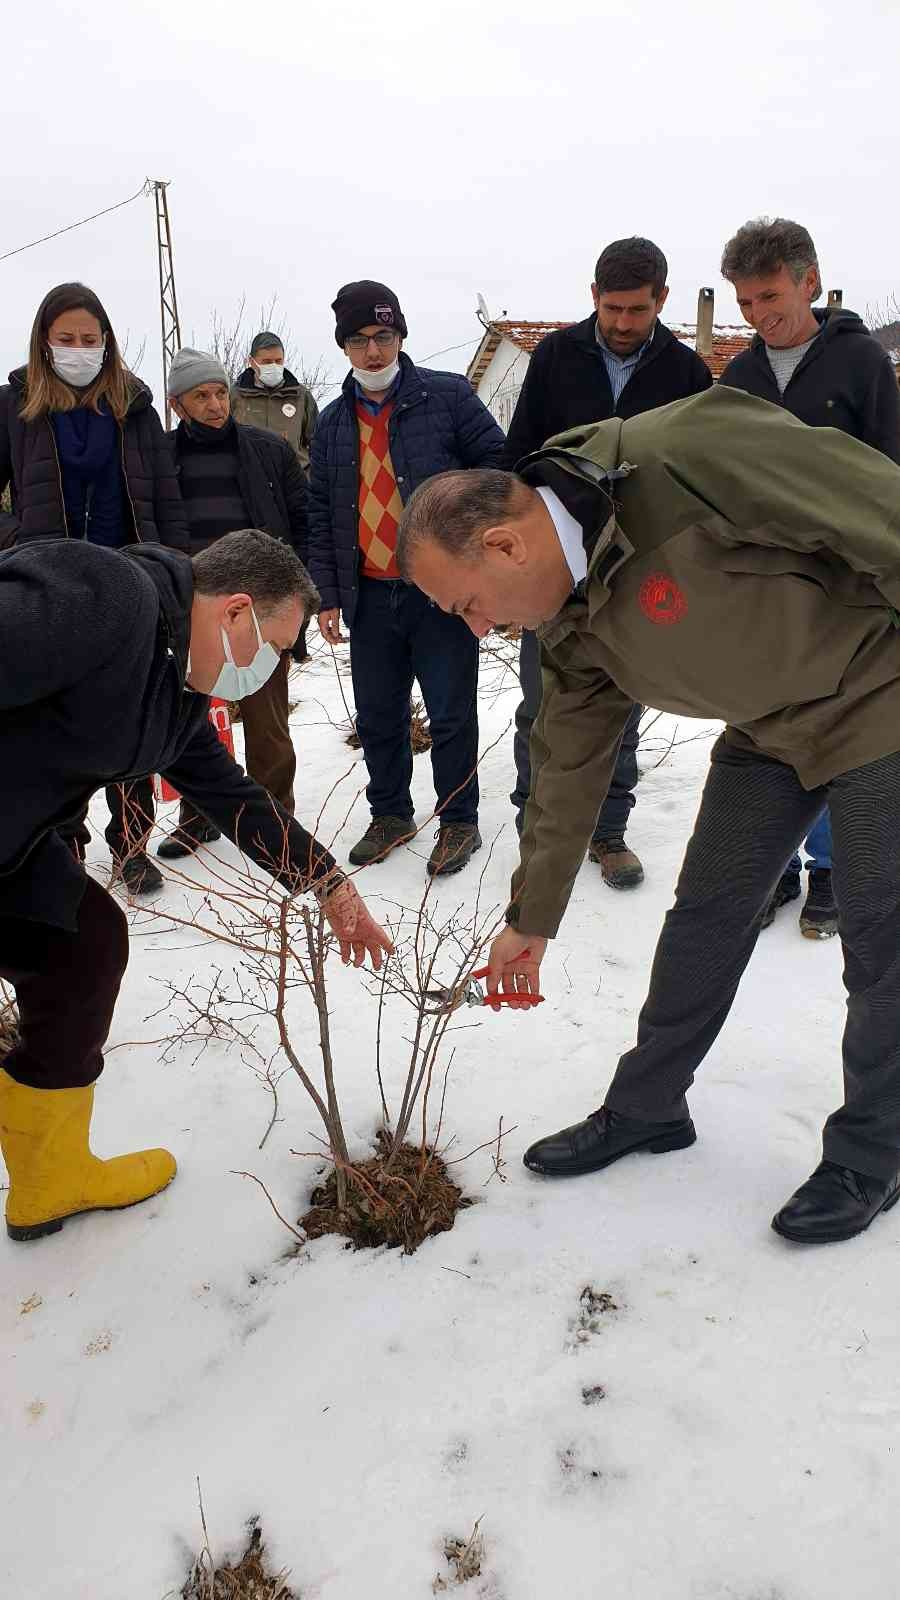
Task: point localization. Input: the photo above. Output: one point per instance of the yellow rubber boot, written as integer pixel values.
(44, 1136)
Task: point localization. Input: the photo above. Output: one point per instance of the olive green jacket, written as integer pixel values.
(750, 573)
(290, 411)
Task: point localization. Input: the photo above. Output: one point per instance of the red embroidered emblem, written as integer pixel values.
(661, 599)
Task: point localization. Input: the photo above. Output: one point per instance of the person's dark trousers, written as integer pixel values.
(66, 988)
(753, 811)
(616, 808)
(131, 814)
(269, 755)
(398, 636)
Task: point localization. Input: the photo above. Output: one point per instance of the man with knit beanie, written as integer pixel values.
(393, 426)
(235, 476)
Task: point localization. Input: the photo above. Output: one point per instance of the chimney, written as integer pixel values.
(835, 298)
(705, 307)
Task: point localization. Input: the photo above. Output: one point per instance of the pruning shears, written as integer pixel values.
(471, 993)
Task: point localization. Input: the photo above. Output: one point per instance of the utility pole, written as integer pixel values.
(168, 303)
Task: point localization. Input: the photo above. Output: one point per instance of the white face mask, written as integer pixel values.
(272, 374)
(236, 683)
(78, 367)
(377, 380)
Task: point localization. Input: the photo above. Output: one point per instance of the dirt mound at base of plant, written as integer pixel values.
(248, 1580)
(400, 1202)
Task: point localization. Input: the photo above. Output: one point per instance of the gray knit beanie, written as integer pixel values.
(192, 367)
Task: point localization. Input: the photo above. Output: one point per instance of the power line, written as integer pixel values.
(104, 213)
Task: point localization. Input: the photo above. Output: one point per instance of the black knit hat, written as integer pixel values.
(358, 305)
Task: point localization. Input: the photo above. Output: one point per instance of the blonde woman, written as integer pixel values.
(84, 456)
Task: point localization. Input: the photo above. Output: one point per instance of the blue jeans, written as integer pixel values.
(616, 807)
(397, 636)
(817, 845)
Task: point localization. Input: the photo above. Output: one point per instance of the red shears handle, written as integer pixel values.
(508, 999)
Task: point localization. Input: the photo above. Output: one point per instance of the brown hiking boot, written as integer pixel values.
(382, 836)
(454, 848)
(620, 866)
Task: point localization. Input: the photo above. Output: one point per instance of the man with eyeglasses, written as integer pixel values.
(393, 426)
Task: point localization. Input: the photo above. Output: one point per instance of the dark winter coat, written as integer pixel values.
(567, 385)
(272, 484)
(844, 381)
(290, 410)
(29, 465)
(438, 422)
(82, 628)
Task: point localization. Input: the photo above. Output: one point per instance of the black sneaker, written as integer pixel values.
(382, 836)
(188, 838)
(454, 848)
(786, 889)
(138, 874)
(819, 917)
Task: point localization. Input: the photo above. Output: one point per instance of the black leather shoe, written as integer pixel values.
(602, 1138)
(188, 839)
(835, 1203)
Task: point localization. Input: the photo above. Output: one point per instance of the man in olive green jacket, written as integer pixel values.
(713, 558)
(268, 396)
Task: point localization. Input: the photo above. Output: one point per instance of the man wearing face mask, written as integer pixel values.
(236, 476)
(392, 426)
(268, 396)
(148, 635)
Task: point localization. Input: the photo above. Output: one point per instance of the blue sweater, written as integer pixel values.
(87, 443)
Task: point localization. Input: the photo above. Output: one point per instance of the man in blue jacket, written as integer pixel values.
(392, 426)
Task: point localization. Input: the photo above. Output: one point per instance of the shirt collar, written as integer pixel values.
(569, 533)
(635, 354)
(375, 405)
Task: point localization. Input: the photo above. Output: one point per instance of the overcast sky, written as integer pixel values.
(483, 145)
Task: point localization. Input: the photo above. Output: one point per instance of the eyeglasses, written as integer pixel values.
(361, 341)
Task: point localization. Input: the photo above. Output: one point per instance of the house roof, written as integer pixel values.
(728, 340)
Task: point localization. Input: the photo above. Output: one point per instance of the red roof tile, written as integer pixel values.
(728, 341)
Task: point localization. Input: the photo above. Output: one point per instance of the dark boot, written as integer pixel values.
(602, 1138)
(620, 867)
(835, 1203)
(187, 838)
(819, 917)
(382, 836)
(138, 874)
(786, 889)
(454, 848)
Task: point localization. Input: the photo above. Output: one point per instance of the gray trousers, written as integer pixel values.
(616, 808)
(754, 811)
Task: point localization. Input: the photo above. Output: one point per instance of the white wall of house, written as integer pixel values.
(502, 382)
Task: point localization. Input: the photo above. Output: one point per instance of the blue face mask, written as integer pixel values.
(236, 683)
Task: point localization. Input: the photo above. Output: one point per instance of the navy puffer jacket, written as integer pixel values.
(438, 422)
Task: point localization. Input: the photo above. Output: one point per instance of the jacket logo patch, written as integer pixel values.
(661, 599)
(384, 314)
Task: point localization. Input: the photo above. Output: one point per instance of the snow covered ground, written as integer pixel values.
(726, 1432)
